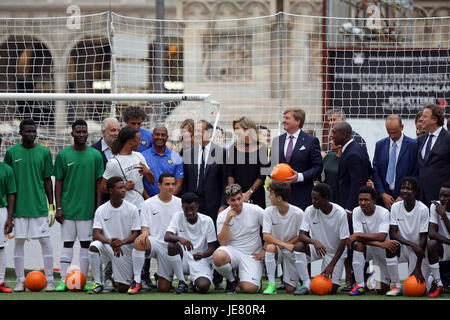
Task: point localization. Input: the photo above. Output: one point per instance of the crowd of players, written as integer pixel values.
(199, 206)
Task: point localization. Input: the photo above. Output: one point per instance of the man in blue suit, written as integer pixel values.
(302, 152)
(394, 159)
(433, 154)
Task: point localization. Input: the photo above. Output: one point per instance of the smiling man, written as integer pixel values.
(162, 159)
(78, 171)
(409, 227)
(32, 166)
(238, 232)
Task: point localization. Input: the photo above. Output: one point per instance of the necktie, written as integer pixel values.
(289, 149)
(391, 166)
(201, 177)
(428, 147)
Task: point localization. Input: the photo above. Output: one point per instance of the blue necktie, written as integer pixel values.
(391, 166)
(428, 147)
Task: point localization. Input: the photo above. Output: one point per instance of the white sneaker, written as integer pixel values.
(50, 287)
(108, 286)
(395, 291)
(20, 286)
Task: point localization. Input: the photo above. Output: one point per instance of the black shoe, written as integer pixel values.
(348, 287)
(182, 288)
(231, 286)
(446, 289)
(218, 286)
(282, 286)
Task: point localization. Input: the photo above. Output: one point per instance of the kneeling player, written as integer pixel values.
(409, 226)
(438, 246)
(116, 226)
(370, 230)
(238, 232)
(280, 232)
(156, 214)
(192, 236)
(323, 233)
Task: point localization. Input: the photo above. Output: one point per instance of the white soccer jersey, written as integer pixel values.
(156, 215)
(128, 170)
(437, 219)
(410, 224)
(245, 228)
(199, 234)
(117, 222)
(329, 229)
(378, 222)
(282, 227)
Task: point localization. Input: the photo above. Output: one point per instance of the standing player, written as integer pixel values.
(370, 230)
(7, 201)
(438, 246)
(409, 226)
(156, 214)
(32, 166)
(78, 170)
(238, 232)
(116, 226)
(280, 233)
(192, 236)
(133, 117)
(323, 233)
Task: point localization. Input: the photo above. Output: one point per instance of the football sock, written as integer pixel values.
(84, 261)
(301, 264)
(138, 262)
(19, 259)
(2, 264)
(271, 266)
(358, 267)
(392, 266)
(227, 271)
(47, 254)
(65, 261)
(96, 266)
(435, 273)
(177, 267)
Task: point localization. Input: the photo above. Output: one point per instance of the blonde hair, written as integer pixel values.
(190, 124)
(299, 115)
(248, 124)
(232, 190)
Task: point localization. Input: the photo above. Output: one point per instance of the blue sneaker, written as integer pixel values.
(357, 291)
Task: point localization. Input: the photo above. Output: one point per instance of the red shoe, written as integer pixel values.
(436, 292)
(134, 288)
(4, 288)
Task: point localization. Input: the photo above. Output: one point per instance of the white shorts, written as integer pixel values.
(407, 255)
(446, 253)
(197, 268)
(378, 257)
(32, 228)
(338, 268)
(159, 252)
(3, 236)
(250, 270)
(123, 266)
(71, 229)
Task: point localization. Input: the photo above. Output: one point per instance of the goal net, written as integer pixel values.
(364, 67)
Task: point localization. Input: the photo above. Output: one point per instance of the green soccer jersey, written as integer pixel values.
(7, 184)
(79, 172)
(31, 166)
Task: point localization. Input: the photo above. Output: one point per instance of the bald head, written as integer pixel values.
(341, 133)
(394, 127)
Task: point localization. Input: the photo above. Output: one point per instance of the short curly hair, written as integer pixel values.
(133, 112)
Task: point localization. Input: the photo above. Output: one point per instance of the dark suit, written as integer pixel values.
(215, 178)
(305, 159)
(98, 146)
(436, 169)
(353, 174)
(406, 164)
